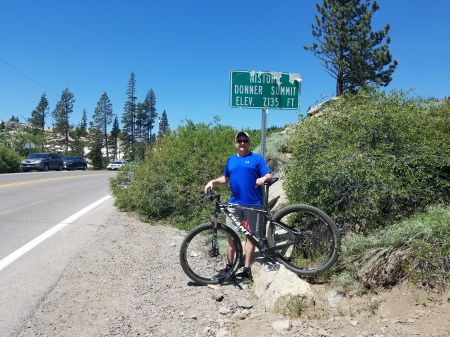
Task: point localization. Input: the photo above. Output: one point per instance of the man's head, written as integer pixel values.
(242, 136)
(242, 143)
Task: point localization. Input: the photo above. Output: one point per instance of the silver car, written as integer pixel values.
(42, 162)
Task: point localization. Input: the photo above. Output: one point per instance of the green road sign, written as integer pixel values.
(265, 89)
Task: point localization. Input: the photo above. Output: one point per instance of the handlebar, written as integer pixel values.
(271, 181)
(211, 195)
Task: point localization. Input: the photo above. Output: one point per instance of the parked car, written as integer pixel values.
(42, 162)
(115, 165)
(74, 163)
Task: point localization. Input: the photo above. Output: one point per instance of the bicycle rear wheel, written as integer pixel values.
(203, 254)
(306, 239)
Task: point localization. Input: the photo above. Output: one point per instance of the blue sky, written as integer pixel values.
(185, 50)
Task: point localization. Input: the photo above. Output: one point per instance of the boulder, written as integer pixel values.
(280, 291)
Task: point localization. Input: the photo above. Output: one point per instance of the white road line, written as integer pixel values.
(44, 236)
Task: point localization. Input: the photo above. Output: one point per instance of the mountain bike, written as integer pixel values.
(301, 237)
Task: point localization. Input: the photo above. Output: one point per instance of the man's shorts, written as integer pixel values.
(245, 216)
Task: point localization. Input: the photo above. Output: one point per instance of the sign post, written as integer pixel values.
(264, 90)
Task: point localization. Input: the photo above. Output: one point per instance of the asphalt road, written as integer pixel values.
(45, 219)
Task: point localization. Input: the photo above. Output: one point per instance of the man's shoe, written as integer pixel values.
(247, 277)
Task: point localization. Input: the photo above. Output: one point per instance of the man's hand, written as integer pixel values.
(260, 181)
(209, 186)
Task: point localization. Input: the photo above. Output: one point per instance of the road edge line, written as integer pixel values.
(47, 234)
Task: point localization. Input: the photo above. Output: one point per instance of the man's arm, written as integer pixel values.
(219, 181)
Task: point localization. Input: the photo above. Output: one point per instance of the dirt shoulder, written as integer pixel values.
(128, 282)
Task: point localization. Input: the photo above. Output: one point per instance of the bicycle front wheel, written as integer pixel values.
(203, 253)
(304, 238)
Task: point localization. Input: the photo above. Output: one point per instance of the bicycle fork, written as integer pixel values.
(214, 252)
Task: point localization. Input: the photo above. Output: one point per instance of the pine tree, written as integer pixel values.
(114, 136)
(129, 115)
(149, 107)
(164, 124)
(350, 51)
(84, 124)
(96, 142)
(102, 117)
(61, 116)
(39, 113)
(140, 122)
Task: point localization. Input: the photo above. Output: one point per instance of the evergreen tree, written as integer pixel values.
(39, 113)
(129, 115)
(140, 123)
(96, 142)
(61, 116)
(164, 124)
(84, 124)
(350, 51)
(37, 120)
(102, 117)
(78, 143)
(78, 135)
(114, 136)
(149, 107)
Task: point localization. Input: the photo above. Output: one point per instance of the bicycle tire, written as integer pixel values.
(199, 262)
(312, 248)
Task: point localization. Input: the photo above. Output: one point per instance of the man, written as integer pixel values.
(246, 172)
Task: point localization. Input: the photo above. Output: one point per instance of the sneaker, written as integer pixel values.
(247, 277)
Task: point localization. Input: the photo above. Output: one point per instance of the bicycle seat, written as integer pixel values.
(271, 181)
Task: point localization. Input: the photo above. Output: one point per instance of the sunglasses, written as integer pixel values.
(241, 141)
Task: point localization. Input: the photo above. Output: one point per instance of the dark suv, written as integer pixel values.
(42, 162)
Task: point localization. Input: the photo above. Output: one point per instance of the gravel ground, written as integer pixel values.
(128, 282)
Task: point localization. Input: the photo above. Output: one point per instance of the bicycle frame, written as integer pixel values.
(258, 240)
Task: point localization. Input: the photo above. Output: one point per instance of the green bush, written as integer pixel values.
(9, 160)
(169, 183)
(371, 159)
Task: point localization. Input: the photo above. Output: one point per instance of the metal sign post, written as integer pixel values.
(263, 132)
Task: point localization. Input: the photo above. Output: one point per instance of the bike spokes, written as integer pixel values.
(203, 255)
(303, 239)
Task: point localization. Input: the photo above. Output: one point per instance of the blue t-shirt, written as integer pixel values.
(243, 172)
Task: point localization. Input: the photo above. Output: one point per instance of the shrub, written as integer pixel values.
(169, 183)
(371, 159)
(276, 153)
(9, 160)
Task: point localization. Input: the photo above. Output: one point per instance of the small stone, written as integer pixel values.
(285, 325)
(224, 310)
(217, 296)
(243, 303)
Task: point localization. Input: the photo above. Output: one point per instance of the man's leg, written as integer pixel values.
(249, 250)
(231, 250)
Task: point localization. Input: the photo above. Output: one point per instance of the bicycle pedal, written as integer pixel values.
(273, 267)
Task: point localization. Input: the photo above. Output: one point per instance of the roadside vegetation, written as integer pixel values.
(377, 162)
